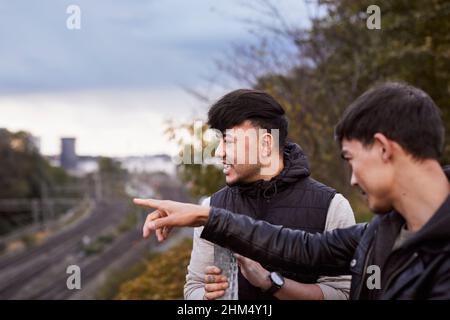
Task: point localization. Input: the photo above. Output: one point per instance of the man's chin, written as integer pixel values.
(233, 180)
(380, 209)
(231, 183)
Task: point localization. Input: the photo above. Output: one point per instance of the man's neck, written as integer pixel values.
(277, 171)
(421, 188)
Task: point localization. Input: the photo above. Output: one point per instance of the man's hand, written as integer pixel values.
(215, 283)
(170, 214)
(254, 272)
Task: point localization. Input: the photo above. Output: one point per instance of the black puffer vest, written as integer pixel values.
(292, 199)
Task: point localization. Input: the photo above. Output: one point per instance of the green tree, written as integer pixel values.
(316, 72)
(202, 179)
(24, 173)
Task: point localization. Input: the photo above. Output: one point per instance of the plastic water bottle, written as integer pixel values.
(225, 260)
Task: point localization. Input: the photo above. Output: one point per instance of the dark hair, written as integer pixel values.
(245, 104)
(403, 113)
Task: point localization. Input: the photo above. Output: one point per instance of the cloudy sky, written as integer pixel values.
(114, 82)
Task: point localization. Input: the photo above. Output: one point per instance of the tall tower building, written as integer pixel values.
(68, 155)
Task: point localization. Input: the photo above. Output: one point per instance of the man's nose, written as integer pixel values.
(353, 180)
(220, 150)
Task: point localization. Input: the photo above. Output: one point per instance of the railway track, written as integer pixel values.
(40, 272)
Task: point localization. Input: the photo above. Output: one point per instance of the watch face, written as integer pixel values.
(277, 278)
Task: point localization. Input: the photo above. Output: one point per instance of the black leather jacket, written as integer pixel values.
(420, 269)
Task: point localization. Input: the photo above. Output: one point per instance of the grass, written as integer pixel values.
(163, 276)
(29, 240)
(115, 278)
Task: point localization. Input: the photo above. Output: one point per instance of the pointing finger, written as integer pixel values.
(148, 203)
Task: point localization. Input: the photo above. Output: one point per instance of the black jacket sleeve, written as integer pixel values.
(441, 283)
(329, 253)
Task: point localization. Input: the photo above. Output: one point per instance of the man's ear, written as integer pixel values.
(385, 145)
(266, 144)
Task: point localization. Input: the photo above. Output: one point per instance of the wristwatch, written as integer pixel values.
(277, 281)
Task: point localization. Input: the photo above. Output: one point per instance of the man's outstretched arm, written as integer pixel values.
(292, 250)
(328, 253)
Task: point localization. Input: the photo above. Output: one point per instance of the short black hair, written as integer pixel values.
(403, 113)
(259, 107)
